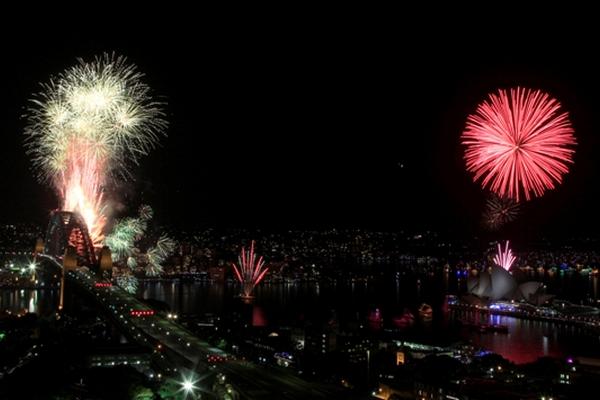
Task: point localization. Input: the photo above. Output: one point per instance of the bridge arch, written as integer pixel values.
(66, 229)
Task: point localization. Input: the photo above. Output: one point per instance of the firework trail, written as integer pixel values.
(504, 258)
(249, 270)
(146, 212)
(158, 254)
(518, 143)
(499, 211)
(131, 262)
(86, 127)
(127, 282)
(123, 237)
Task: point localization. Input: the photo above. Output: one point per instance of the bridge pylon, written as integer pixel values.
(69, 264)
(39, 247)
(106, 263)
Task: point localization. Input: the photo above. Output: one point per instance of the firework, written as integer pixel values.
(127, 282)
(158, 254)
(504, 258)
(518, 143)
(123, 237)
(131, 263)
(499, 211)
(86, 127)
(146, 212)
(249, 270)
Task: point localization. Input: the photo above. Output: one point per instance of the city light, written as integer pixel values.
(323, 309)
(188, 385)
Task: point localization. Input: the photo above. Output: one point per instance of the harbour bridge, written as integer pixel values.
(86, 272)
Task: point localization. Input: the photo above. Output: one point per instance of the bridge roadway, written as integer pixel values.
(185, 349)
(155, 331)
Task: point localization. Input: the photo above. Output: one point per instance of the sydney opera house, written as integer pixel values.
(497, 284)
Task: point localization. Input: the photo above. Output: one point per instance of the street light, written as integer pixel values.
(32, 267)
(188, 385)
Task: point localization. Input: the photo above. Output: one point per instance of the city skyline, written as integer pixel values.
(244, 209)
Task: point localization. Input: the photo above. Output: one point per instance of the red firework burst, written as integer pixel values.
(519, 143)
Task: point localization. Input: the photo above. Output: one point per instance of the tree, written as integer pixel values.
(138, 392)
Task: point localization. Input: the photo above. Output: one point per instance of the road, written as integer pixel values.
(185, 350)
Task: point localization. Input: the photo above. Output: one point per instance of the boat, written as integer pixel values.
(486, 328)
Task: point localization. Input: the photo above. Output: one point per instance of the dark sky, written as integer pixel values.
(318, 126)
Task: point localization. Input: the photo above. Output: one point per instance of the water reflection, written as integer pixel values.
(186, 298)
(396, 301)
(33, 302)
(39, 301)
(527, 340)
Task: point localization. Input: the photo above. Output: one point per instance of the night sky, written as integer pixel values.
(310, 127)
